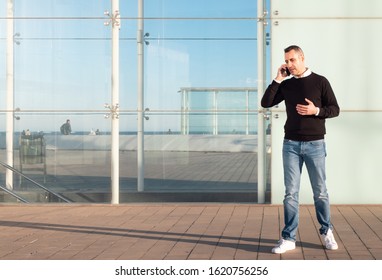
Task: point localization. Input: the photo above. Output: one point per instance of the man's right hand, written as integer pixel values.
(281, 75)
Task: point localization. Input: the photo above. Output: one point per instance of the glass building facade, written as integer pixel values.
(162, 98)
(120, 67)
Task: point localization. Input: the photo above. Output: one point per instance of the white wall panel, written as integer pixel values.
(341, 40)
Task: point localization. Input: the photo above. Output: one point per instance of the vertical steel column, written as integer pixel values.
(10, 94)
(140, 105)
(115, 103)
(261, 145)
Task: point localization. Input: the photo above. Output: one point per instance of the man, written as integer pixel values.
(309, 100)
(66, 128)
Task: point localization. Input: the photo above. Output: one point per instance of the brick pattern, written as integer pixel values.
(181, 232)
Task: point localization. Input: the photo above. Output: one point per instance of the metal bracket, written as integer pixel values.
(266, 114)
(16, 38)
(144, 114)
(15, 115)
(263, 18)
(146, 36)
(113, 111)
(114, 19)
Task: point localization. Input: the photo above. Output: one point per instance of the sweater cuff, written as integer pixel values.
(318, 111)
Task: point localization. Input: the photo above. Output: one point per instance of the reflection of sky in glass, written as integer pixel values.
(64, 63)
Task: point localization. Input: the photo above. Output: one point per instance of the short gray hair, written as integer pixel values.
(295, 48)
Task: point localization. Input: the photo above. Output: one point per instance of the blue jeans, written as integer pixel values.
(295, 154)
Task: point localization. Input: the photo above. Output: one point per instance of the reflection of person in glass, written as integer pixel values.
(66, 128)
(309, 100)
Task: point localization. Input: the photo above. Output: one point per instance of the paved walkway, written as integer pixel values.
(180, 232)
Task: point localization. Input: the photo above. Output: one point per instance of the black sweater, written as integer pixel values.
(293, 91)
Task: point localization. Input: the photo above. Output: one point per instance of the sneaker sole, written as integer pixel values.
(332, 248)
(274, 251)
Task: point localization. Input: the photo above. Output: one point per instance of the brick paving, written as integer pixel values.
(180, 231)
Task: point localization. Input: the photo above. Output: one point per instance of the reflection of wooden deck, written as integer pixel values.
(180, 232)
(225, 175)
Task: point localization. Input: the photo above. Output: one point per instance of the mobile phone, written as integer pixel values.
(285, 72)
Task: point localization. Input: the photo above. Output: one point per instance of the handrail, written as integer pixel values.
(14, 194)
(34, 182)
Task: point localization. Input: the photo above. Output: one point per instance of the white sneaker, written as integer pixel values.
(283, 246)
(330, 242)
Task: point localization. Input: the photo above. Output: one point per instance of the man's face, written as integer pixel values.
(295, 62)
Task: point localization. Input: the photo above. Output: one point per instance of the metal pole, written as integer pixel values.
(260, 127)
(140, 105)
(115, 103)
(10, 94)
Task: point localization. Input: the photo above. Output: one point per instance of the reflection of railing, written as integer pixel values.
(14, 194)
(32, 181)
(231, 110)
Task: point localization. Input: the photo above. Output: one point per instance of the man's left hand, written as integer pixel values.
(306, 110)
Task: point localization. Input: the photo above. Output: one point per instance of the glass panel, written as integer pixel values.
(62, 70)
(343, 30)
(71, 165)
(197, 73)
(354, 149)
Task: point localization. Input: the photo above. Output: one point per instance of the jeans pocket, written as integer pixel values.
(318, 147)
(287, 141)
(317, 143)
